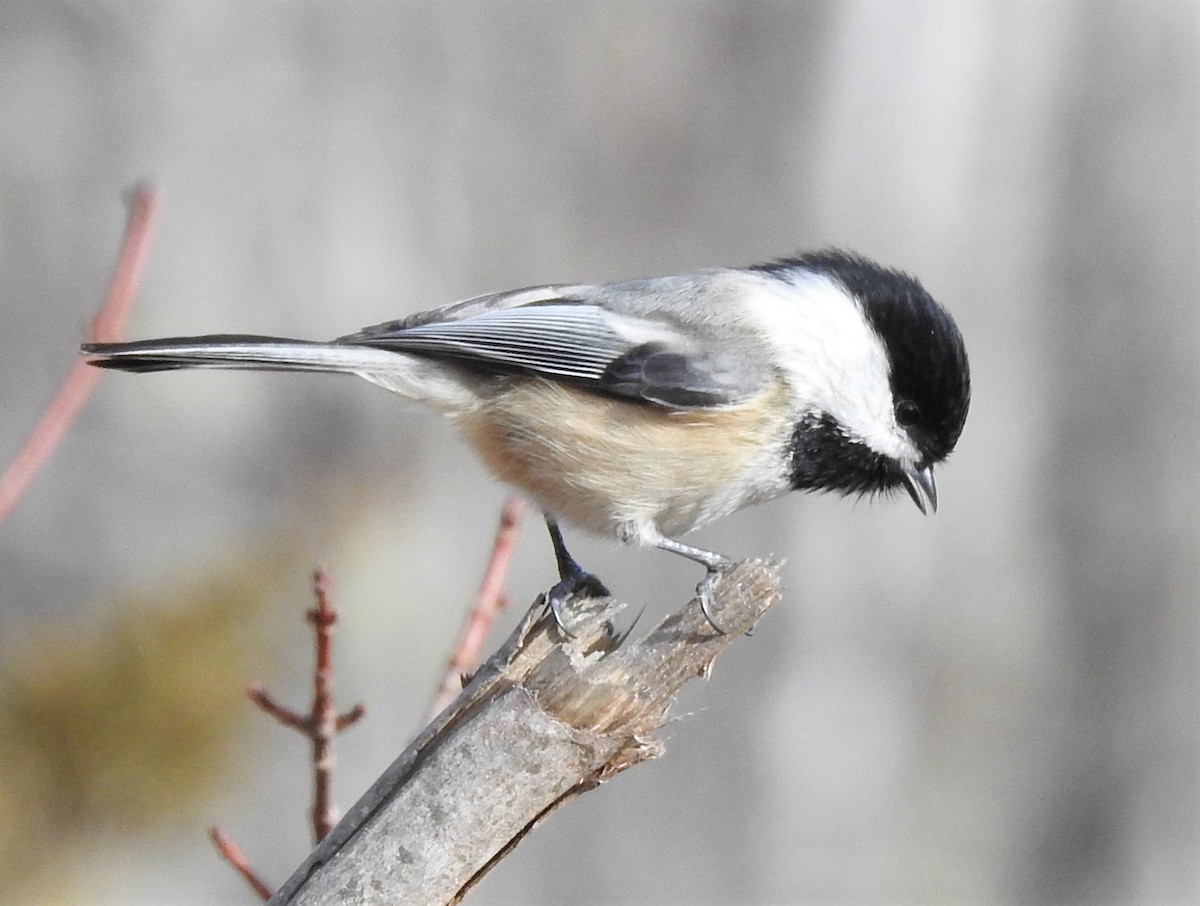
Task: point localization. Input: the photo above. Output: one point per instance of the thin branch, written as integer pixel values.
(282, 713)
(351, 717)
(324, 722)
(321, 725)
(107, 325)
(231, 854)
(489, 601)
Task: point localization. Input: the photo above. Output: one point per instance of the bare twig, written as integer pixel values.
(488, 603)
(231, 854)
(281, 713)
(321, 725)
(107, 325)
(543, 721)
(324, 722)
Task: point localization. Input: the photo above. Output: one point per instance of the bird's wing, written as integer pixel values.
(561, 333)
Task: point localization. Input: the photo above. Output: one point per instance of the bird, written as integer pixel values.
(643, 409)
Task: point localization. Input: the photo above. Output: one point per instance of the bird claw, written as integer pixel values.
(704, 592)
(574, 582)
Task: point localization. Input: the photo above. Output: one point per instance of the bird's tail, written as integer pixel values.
(235, 351)
(412, 376)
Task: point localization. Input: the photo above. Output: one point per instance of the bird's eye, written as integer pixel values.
(908, 413)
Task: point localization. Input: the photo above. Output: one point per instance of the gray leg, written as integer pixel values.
(716, 564)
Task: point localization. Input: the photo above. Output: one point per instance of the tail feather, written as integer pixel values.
(414, 376)
(242, 351)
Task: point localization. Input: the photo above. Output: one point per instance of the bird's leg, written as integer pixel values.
(716, 564)
(572, 579)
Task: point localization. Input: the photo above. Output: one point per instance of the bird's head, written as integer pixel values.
(882, 383)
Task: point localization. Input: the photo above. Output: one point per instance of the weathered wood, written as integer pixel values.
(544, 720)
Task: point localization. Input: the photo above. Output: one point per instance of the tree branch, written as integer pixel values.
(321, 726)
(107, 325)
(543, 721)
(231, 854)
(487, 605)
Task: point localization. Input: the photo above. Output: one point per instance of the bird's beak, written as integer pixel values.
(920, 486)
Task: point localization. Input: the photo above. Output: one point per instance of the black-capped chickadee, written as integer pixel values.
(646, 408)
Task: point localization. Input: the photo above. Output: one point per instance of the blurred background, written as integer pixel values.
(996, 705)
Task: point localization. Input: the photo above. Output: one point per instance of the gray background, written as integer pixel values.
(996, 705)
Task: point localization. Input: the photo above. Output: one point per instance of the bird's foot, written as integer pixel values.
(574, 581)
(717, 568)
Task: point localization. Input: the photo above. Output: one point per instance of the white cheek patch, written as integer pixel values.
(834, 361)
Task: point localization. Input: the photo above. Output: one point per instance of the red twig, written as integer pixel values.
(489, 601)
(324, 722)
(231, 854)
(107, 325)
(281, 713)
(320, 725)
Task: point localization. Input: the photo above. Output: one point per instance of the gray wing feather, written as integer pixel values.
(561, 333)
(570, 341)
